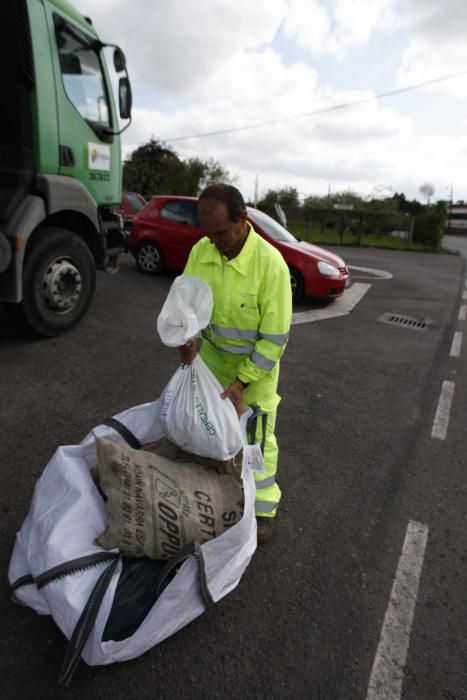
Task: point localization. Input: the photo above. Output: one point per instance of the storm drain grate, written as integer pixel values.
(417, 324)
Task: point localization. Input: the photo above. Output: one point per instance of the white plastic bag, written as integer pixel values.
(67, 513)
(194, 417)
(186, 311)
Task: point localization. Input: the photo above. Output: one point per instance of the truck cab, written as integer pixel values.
(60, 162)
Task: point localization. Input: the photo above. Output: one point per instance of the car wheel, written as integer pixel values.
(149, 258)
(58, 283)
(297, 284)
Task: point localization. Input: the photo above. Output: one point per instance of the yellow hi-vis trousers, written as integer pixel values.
(223, 366)
(268, 493)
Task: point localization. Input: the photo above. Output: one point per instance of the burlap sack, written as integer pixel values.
(156, 505)
(166, 448)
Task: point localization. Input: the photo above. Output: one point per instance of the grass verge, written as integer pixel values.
(331, 237)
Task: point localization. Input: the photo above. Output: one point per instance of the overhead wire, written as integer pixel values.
(323, 110)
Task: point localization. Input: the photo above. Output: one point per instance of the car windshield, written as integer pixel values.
(135, 201)
(270, 226)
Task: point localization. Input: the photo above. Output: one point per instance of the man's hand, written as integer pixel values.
(189, 351)
(235, 393)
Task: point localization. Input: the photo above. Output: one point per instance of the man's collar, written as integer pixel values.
(241, 261)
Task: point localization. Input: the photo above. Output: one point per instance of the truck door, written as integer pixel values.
(86, 114)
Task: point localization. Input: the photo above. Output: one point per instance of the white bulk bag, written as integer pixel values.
(186, 311)
(68, 513)
(194, 417)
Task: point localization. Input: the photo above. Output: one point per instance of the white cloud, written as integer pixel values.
(332, 27)
(346, 145)
(437, 46)
(176, 46)
(205, 67)
(359, 147)
(355, 20)
(308, 23)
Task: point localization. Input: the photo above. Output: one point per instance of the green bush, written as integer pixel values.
(429, 227)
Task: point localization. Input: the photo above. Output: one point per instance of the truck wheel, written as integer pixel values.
(297, 284)
(58, 282)
(149, 258)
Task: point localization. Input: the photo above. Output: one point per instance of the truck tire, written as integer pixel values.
(59, 280)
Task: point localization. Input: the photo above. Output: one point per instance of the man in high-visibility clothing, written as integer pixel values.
(250, 321)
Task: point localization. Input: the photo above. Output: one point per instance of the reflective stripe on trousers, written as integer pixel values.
(268, 493)
(267, 496)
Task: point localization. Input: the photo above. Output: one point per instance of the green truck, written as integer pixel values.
(60, 162)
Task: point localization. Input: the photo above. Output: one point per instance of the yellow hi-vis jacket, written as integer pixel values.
(251, 316)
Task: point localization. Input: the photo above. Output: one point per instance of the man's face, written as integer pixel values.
(214, 221)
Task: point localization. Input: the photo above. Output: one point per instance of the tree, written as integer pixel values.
(317, 202)
(286, 197)
(214, 173)
(147, 168)
(347, 197)
(413, 207)
(429, 227)
(155, 168)
(427, 190)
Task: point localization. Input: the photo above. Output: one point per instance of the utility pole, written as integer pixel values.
(447, 226)
(412, 224)
(256, 195)
(450, 209)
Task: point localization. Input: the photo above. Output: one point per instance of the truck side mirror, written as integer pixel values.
(124, 98)
(119, 60)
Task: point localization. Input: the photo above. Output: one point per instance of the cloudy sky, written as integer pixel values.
(201, 66)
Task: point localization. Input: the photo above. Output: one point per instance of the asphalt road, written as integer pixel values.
(456, 243)
(358, 465)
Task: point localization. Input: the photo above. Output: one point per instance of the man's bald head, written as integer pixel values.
(229, 196)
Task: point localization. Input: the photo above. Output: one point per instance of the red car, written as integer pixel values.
(164, 232)
(131, 204)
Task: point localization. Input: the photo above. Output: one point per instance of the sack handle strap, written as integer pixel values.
(68, 568)
(126, 434)
(172, 564)
(203, 581)
(86, 623)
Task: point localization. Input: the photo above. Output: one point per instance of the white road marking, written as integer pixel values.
(379, 274)
(464, 296)
(340, 307)
(387, 674)
(463, 313)
(441, 422)
(456, 344)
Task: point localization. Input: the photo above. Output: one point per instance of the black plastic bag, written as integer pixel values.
(141, 582)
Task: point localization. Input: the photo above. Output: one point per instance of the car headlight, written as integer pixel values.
(328, 270)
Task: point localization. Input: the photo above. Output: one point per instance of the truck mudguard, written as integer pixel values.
(29, 214)
(60, 194)
(63, 193)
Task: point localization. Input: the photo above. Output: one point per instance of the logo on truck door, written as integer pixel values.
(98, 157)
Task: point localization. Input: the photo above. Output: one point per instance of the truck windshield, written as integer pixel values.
(82, 74)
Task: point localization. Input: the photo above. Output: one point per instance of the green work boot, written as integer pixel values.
(264, 528)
